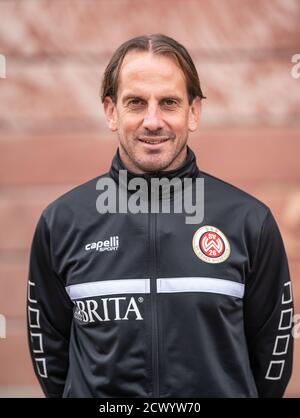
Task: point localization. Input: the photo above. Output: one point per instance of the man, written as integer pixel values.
(146, 304)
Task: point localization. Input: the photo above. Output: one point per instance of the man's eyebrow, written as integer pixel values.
(172, 97)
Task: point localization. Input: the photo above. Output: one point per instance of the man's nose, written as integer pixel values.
(153, 119)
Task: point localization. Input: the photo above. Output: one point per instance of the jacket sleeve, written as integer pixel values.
(49, 316)
(268, 313)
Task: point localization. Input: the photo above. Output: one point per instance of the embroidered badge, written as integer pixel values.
(211, 245)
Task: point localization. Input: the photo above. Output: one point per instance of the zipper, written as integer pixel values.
(153, 294)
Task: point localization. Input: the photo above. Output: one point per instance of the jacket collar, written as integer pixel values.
(188, 169)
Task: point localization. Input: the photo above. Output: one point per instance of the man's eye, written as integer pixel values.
(169, 102)
(135, 102)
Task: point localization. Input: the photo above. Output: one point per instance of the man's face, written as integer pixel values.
(152, 115)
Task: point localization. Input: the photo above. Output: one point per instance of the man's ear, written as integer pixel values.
(110, 113)
(194, 114)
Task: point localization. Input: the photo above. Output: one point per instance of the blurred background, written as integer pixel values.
(53, 135)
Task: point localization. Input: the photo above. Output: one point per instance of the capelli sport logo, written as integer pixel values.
(110, 244)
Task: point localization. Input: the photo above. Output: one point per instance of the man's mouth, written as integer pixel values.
(153, 141)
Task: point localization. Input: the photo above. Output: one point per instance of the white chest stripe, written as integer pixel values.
(165, 285)
(200, 284)
(108, 287)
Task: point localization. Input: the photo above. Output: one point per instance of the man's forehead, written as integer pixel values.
(141, 68)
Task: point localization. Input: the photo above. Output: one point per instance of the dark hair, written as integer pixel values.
(157, 44)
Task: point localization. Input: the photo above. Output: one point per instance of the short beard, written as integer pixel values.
(147, 168)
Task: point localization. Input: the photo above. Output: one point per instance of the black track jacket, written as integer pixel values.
(146, 305)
